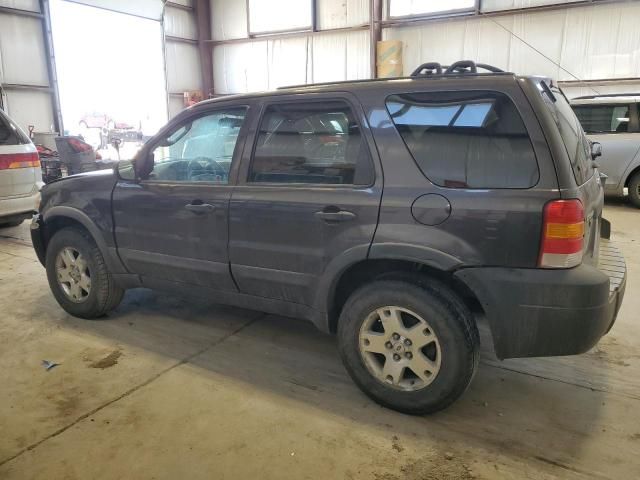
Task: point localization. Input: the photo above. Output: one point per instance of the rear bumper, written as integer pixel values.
(16, 206)
(537, 312)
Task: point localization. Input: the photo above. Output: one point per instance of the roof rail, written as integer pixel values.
(461, 67)
(588, 97)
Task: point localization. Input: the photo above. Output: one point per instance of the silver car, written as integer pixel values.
(20, 174)
(614, 121)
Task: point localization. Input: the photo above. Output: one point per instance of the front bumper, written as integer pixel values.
(538, 312)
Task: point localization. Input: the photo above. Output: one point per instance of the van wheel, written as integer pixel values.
(634, 190)
(412, 347)
(78, 276)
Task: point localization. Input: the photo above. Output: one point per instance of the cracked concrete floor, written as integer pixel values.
(167, 388)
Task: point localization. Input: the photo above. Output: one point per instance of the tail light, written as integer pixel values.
(19, 160)
(562, 234)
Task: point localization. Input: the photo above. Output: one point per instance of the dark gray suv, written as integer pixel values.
(390, 212)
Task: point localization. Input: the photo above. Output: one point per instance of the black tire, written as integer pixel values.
(634, 190)
(14, 223)
(448, 317)
(104, 295)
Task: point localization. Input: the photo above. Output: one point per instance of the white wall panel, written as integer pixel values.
(341, 13)
(142, 8)
(340, 56)
(28, 107)
(241, 67)
(593, 42)
(183, 67)
(180, 23)
(287, 64)
(493, 5)
(31, 5)
(22, 53)
(176, 105)
(228, 19)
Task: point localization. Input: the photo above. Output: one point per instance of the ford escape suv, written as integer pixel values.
(388, 212)
(20, 174)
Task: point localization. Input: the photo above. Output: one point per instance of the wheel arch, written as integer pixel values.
(369, 269)
(60, 217)
(632, 173)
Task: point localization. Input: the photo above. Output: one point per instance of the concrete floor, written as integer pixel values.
(171, 389)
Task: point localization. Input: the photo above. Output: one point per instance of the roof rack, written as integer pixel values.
(461, 67)
(429, 69)
(605, 95)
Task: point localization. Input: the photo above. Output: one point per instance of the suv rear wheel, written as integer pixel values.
(410, 346)
(78, 276)
(634, 190)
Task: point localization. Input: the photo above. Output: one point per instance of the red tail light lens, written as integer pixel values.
(19, 160)
(562, 234)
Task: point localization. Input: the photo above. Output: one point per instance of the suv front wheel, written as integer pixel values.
(411, 346)
(78, 276)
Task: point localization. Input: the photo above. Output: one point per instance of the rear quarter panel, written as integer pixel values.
(486, 226)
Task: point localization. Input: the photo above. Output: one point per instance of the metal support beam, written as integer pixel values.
(22, 13)
(24, 86)
(203, 19)
(51, 67)
(190, 41)
(375, 30)
(279, 36)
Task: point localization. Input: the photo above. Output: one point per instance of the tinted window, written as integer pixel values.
(466, 139)
(200, 150)
(9, 133)
(575, 141)
(603, 118)
(310, 143)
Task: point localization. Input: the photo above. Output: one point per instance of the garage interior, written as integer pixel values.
(167, 387)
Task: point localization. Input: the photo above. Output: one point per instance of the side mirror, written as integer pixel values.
(126, 170)
(596, 150)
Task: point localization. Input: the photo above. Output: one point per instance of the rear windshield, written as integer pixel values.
(573, 136)
(471, 139)
(9, 132)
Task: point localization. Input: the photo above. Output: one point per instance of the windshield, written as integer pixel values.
(573, 136)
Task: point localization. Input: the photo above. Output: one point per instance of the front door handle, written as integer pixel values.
(338, 216)
(200, 207)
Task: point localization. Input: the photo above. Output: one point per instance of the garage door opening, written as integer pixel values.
(111, 76)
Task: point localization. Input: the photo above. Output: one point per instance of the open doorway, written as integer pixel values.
(111, 76)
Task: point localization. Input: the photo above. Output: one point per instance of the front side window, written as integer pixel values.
(200, 150)
(466, 139)
(313, 142)
(603, 118)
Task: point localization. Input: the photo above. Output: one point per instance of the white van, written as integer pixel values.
(20, 174)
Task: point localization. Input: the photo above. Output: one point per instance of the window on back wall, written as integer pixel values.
(270, 16)
(403, 8)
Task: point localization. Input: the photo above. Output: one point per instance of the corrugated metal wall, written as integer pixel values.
(265, 64)
(181, 54)
(21, 38)
(592, 42)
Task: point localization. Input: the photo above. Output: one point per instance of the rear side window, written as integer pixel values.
(466, 139)
(311, 142)
(9, 133)
(573, 136)
(603, 118)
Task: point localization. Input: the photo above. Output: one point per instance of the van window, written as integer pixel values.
(9, 132)
(466, 139)
(603, 118)
(311, 142)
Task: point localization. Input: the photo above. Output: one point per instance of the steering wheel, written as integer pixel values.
(203, 166)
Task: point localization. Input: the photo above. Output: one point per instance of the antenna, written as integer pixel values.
(537, 51)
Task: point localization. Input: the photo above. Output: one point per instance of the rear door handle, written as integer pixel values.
(339, 216)
(200, 207)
